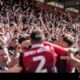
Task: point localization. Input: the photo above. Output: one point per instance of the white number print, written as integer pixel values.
(41, 64)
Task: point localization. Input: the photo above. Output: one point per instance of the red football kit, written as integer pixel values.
(39, 58)
(63, 63)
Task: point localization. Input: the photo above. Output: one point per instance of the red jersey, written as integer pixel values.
(62, 64)
(39, 58)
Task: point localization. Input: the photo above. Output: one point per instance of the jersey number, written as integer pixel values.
(41, 64)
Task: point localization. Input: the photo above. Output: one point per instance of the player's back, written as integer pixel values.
(39, 59)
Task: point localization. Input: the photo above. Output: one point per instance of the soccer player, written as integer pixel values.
(64, 64)
(42, 56)
(33, 54)
(39, 58)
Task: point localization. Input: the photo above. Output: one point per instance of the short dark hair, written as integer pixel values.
(77, 52)
(22, 39)
(36, 35)
(69, 39)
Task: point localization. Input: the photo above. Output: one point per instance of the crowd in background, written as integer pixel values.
(18, 20)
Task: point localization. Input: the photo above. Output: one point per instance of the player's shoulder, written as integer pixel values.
(50, 44)
(55, 46)
(47, 43)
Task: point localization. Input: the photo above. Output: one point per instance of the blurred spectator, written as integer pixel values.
(19, 19)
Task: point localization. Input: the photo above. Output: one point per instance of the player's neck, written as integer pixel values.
(36, 42)
(37, 45)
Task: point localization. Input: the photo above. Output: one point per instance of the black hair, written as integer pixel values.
(21, 39)
(77, 52)
(36, 35)
(1, 47)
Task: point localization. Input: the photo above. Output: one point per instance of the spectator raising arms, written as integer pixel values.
(18, 21)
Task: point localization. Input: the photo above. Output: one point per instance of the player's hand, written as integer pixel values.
(71, 50)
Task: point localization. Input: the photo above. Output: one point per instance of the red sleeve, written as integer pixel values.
(59, 50)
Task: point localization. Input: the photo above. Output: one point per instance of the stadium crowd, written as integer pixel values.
(18, 20)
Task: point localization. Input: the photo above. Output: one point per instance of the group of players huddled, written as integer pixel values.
(36, 41)
(42, 56)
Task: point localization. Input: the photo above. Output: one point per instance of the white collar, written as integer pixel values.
(37, 45)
